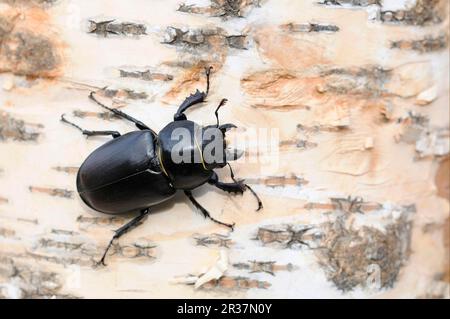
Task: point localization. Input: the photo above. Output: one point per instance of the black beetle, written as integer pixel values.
(138, 170)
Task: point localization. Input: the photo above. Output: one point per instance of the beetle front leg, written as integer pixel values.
(235, 187)
(122, 230)
(205, 212)
(193, 99)
(260, 205)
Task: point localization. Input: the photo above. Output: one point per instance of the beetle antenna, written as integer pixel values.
(222, 103)
(260, 205)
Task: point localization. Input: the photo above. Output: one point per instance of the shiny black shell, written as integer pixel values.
(182, 175)
(124, 175)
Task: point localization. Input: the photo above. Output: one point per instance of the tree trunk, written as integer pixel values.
(342, 108)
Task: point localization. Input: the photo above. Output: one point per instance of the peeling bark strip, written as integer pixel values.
(278, 181)
(433, 143)
(425, 12)
(298, 143)
(365, 256)
(136, 250)
(425, 45)
(429, 142)
(43, 3)
(17, 130)
(367, 81)
(176, 36)
(57, 192)
(20, 280)
(347, 205)
(4, 232)
(350, 254)
(104, 221)
(315, 129)
(289, 236)
(280, 90)
(65, 261)
(70, 248)
(123, 94)
(63, 232)
(203, 38)
(107, 116)
(145, 75)
(353, 205)
(353, 3)
(230, 282)
(64, 245)
(66, 169)
(269, 267)
(28, 54)
(30, 221)
(110, 27)
(23, 48)
(237, 41)
(213, 240)
(310, 27)
(222, 8)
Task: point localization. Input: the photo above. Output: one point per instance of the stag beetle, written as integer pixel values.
(138, 170)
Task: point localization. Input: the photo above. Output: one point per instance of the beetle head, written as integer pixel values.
(216, 154)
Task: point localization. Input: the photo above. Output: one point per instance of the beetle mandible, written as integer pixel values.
(137, 170)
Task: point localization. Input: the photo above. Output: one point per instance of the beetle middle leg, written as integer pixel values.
(205, 212)
(197, 97)
(114, 134)
(121, 114)
(122, 230)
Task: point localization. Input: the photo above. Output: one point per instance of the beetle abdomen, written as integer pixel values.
(123, 175)
(135, 192)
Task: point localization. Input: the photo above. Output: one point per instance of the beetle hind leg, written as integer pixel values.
(122, 230)
(205, 212)
(114, 134)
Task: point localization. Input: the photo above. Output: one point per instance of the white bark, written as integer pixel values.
(358, 95)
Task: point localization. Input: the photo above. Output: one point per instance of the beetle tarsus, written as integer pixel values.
(101, 262)
(205, 212)
(260, 205)
(122, 230)
(114, 134)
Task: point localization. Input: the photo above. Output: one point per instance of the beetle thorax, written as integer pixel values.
(188, 152)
